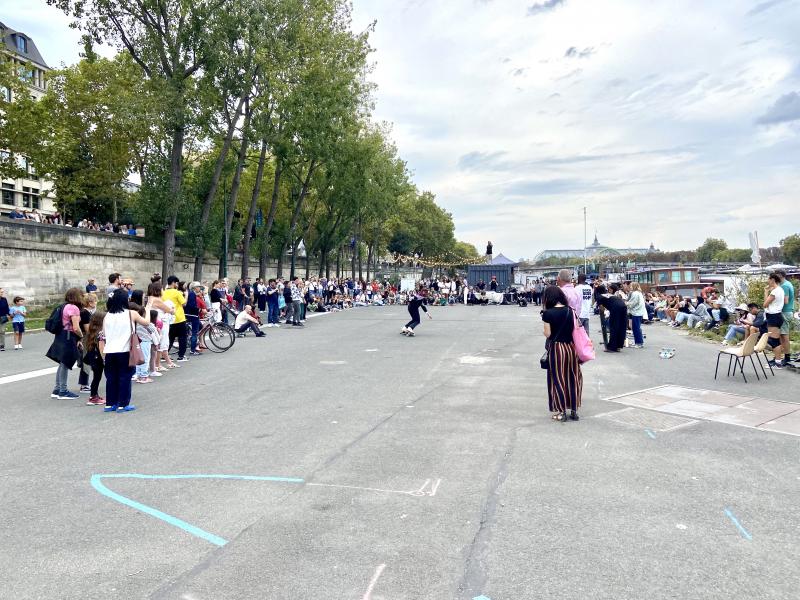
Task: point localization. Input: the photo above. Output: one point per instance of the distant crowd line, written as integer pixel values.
(56, 219)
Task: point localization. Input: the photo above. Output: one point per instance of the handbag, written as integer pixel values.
(135, 356)
(584, 347)
(545, 358)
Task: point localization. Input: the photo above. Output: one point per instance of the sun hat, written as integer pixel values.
(742, 307)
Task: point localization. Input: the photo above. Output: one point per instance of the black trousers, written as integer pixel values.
(118, 379)
(97, 375)
(414, 319)
(178, 330)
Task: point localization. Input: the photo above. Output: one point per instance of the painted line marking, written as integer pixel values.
(366, 489)
(373, 581)
(634, 392)
(333, 362)
(371, 350)
(97, 484)
(650, 433)
(28, 375)
(745, 534)
(481, 598)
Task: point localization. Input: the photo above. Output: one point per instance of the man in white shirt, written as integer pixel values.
(246, 320)
(585, 292)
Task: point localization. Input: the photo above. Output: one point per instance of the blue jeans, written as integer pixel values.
(195, 324)
(636, 325)
(274, 312)
(61, 378)
(143, 371)
(733, 331)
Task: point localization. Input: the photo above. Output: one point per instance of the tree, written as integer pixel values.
(171, 41)
(710, 247)
(790, 246)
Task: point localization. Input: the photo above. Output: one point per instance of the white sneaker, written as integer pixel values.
(725, 343)
(156, 374)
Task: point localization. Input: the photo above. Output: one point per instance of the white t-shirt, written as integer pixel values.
(117, 328)
(243, 319)
(585, 292)
(776, 306)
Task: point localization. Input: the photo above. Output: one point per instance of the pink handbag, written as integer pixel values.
(584, 347)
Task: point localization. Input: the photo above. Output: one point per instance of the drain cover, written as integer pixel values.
(645, 419)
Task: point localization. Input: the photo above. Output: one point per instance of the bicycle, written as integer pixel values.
(217, 337)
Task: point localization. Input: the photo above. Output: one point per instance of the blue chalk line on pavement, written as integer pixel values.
(481, 598)
(745, 534)
(97, 484)
(650, 433)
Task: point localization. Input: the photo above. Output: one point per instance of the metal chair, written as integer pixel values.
(740, 353)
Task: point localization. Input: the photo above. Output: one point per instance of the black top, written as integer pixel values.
(4, 310)
(493, 285)
(561, 323)
(215, 295)
(416, 303)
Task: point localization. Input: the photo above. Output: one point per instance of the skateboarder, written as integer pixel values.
(417, 301)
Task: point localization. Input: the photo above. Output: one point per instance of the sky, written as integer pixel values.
(669, 120)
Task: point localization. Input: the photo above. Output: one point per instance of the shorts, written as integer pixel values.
(788, 323)
(18, 327)
(774, 319)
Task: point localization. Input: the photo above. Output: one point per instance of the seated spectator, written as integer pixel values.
(744, 323)
(246, 320)
(16, 214)
(695, 317)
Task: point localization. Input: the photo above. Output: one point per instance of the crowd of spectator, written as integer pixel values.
(56, 219)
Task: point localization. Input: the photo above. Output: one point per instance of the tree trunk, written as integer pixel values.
(280, 260)
(237, 176)
(273, 206)
(199, 248)
(251, 215)
(175, 184)
(339, 263)
(369, 258)
(308, 262)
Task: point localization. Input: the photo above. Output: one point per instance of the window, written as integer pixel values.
(8, 194)
(662, 277)
(22, 44)
(676, 276)
(688, 275)
(31, 170)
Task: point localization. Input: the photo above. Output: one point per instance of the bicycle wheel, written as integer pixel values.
(219, 337)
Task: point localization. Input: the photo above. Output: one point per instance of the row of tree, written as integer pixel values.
(248, 123)
(712, 250)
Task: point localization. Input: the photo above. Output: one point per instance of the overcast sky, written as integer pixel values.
(669, 120)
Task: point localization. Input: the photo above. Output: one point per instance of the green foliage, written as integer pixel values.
(733, 255)
(790, 246)
(710, 248)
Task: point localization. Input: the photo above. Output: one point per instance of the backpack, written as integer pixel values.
(54, 324)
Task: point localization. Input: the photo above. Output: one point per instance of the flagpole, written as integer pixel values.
(584, 241)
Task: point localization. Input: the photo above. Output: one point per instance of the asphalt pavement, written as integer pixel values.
(345, 461)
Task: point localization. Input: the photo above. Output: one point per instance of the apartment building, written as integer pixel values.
(30, 192)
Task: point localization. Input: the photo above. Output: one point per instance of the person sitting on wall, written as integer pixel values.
(15, 214)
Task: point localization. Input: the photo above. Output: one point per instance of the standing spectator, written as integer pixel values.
(574, 299)
(774, 298)
(564, 377)
(287, 298)
(64, 349)
(637, 312)
(17, 313)
(273, 301)
(177, 328)
(788, 316)
(148, 335)
(93, 358)
(617, 319)
(585, 293)
(118, 325)
(90, 286)
(114, 283)
(192, 310)
(238, 295)
(4, 319)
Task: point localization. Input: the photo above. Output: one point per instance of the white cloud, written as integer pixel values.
(648, 119)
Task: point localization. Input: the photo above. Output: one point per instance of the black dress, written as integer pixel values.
(618, 320)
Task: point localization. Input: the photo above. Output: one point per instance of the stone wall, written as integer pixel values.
(40, 262)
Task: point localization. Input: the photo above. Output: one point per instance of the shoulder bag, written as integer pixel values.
(136, 356)
(584, 347)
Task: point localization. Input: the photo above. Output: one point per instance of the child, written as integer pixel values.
(93, 358)
(154, 351)
(146, 335)
(17, 313)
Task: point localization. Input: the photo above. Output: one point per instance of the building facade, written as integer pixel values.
(30, 192)
(594, 250)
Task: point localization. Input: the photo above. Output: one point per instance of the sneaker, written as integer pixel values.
(183, 359)
(410, 334)
(144, 380)
(725, 343)
(95, 401)
(111, 408)
(128, 408)
(193, 353)
(67, 395)
(156, 374)
(639, 346)
(778, 364)
(85, 389)
(54, 394)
